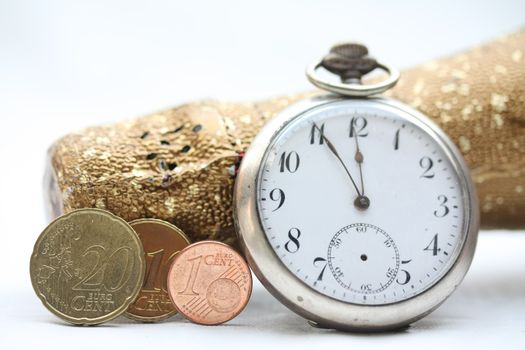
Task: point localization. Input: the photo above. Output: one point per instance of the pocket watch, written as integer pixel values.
(354, 210)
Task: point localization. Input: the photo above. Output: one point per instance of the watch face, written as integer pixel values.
(362, 203)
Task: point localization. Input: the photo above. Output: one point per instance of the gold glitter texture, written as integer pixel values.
(179, 164)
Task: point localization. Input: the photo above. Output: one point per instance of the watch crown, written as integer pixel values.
(350, 61)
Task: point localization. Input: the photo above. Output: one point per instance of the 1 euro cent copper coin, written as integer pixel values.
(209, 283)
(161, 241)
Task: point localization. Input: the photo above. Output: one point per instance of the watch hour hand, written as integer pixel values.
(359, 159)
(362, 202)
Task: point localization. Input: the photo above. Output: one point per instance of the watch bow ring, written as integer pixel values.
(351, 62)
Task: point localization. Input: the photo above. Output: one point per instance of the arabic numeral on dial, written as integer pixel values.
(388, 243)
(406, 275)
(361, 229)
(443, 208)
(426, 163)
(358, 127)
(366, 287)
(433, 246)
(335, 242)
(316, 134)
(396, 140)
(338, 273)
(390, 273)
(320, 262)
(277, 195)
(293, 245)
(289, 162)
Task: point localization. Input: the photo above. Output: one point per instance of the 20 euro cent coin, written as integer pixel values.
(87, 266)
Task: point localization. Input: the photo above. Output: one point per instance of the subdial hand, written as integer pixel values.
(361, 202)
(331, 147)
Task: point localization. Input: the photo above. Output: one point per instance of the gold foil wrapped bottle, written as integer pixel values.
(179, 164)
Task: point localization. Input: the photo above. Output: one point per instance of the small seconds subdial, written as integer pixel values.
(363, 258)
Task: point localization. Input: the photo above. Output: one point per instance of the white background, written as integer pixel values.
(69, 64)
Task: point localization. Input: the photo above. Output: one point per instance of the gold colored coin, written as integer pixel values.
(161, 241)
(87, 266)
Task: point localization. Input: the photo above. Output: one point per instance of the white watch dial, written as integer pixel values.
(361, 204)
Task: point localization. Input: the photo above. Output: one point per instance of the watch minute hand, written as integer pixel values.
(336, 154)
